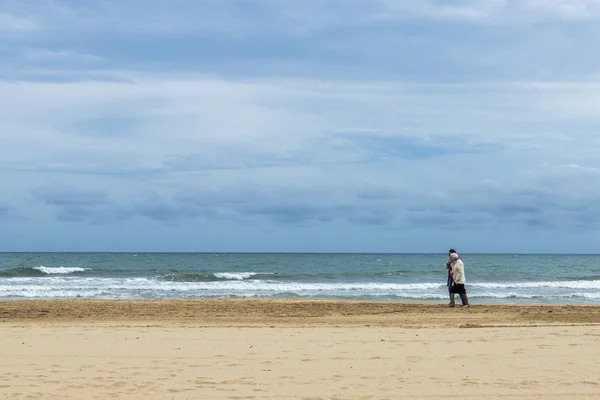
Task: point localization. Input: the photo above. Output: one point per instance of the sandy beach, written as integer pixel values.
(301, 349)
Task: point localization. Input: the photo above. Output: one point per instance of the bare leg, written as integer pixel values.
(451, 300)
(464, 299)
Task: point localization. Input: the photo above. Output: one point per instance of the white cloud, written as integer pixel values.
(172, 115)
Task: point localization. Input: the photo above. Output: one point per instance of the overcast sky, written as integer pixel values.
(313, 125)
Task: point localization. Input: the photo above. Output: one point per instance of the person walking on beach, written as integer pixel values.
(457, 271)
(449, 280)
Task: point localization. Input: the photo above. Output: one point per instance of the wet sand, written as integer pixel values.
(286, 313)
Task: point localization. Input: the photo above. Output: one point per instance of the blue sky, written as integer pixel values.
(321, 125)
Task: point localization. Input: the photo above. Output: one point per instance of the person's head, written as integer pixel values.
(451, 251)
(453, 256)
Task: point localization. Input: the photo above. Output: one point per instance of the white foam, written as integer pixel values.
(52, 286)
(235, 275)
(69, 286)
(60, 270)
(543, 284)
(595, 295)
(276, 286)
(513, 295)
(507, 295)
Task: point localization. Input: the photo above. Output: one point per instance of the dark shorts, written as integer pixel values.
(458, 288)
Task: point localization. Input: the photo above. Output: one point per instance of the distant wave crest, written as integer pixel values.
(24, 272)
(238, 276)
(212, 277)
(60, 270)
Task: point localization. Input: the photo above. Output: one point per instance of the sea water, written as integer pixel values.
(491, 278)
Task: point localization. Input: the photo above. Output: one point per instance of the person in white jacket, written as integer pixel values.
(458, 280)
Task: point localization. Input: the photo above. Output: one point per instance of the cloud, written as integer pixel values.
(407, 147)
(557, 198)
(566, 9)
(4, 210)
(427, 41)
(13, 24)
(138, 17)
(228, 17)
(70, 197)
(194, 149)
(394, 116)
(75, 204)
(35, 54)
(494, 11)
(465, 10)
(155, 126)
(9, 213)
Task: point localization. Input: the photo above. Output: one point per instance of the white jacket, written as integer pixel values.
(458, 272)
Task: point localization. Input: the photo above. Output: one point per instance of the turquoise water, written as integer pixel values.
(387, 277)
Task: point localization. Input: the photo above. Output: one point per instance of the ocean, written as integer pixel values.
(491, 278)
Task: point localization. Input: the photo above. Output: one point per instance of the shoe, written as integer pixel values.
(451, 305)
(466, 306)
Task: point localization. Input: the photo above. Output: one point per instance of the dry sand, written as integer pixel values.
(284, 349)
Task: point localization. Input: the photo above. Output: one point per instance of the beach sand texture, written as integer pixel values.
(296, 349)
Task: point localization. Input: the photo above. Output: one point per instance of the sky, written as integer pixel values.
(300, 126)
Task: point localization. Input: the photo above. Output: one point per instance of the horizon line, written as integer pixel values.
(291, 253)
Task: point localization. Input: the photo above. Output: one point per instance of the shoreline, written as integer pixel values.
(293, 313)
